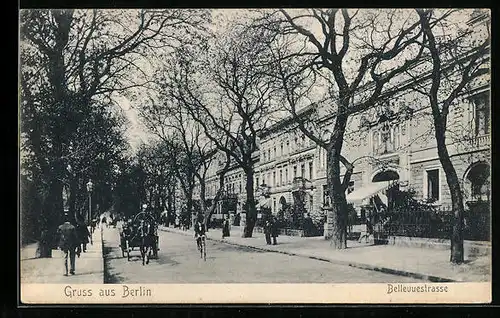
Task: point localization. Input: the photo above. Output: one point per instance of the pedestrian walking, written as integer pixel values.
(83, 234)
(274, 229)
(267, 231)
(69, 243)
(93, 225)
(225, 228)
(104, 221)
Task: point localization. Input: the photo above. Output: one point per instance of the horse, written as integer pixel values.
(147, 240)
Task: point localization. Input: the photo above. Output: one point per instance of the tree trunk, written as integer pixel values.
(457, 239)
(337, 216)
(51, 218)
(73, 188)
(170, 206)
(173, 201)
(189, 206)
(251, 215)
(203, 207)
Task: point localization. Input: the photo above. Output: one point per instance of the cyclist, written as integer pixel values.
(199, 232)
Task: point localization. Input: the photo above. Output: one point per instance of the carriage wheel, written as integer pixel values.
(143, 255)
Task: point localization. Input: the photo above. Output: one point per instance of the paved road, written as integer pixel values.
(179, 262)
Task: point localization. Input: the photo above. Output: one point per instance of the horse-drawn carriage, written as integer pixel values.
(141, 233)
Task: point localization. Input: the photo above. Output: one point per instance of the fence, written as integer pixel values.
(435, 223)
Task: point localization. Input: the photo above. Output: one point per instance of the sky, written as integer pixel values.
(136, 132)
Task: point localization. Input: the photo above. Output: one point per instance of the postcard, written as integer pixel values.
(233, 156)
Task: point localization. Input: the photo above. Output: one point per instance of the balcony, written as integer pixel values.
(483, 141)
(301, 183)
(384, 148)
(475, 142)
(227, 195)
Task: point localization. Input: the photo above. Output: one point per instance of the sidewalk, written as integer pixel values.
(89, 266)
(422, 263)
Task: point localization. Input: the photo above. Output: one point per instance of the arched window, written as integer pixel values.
(479, 182)
(482, 114)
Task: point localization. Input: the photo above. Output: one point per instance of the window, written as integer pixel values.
(311, 170)
(433, 184)
(281, 150)
(274, 178)
(296, 142)
(239, 184)
(396, 137)
(286, 175)
(257, 180)
(274, 205)
(482, 116)
(281, 177)
(479, 178)
(375, 141)
(287, 149)
(350, 187)
(302, 170)
(326, 197)
(294, 172)
(274, 152)
(269, 154)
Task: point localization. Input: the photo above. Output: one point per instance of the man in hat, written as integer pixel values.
(69, 243)
(199, 230)
(83, 233)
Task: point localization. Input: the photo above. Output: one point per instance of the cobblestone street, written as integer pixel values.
(179, 262)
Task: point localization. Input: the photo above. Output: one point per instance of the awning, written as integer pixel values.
(367, 191)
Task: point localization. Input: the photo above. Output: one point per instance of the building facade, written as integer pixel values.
(393, 143)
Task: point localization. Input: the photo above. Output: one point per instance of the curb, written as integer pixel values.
(365, 266)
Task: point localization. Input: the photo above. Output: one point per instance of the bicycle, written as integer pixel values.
(202, 247)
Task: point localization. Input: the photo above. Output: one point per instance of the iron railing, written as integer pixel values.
(436, 223)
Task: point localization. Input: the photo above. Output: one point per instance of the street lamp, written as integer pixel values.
(90, 188)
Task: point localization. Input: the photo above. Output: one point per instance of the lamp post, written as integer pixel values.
(90, 188)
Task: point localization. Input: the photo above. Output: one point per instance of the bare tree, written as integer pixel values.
(231, 99)
(70, 58)
(456, 60)
(194, 151)
(355, 56)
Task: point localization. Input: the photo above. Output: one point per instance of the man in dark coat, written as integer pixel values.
(225, 228)
(274, 229)
(83, 233)
(267, 230)
(68, 243)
